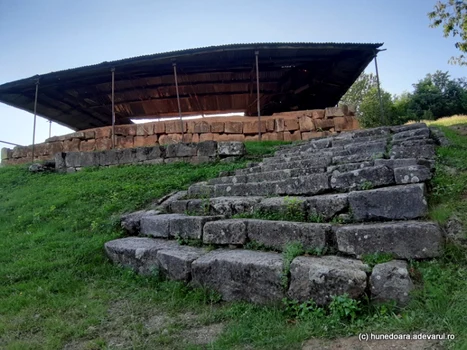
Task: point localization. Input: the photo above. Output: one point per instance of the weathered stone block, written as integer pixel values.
(322, 278)
(297, 136)
(270, 125)
(5, 154)
(181, 150)
(306, 124)
(144, 129)
(396, 163)
(412, 174)
(229, 206)
(303, 185)
(405, 240)
(87, 146)
(137, 253)
(225, 232)
(241, 275)
(169, 139)
(416, 151)
(252, 127)
(200, 190)
(148, 153)
(327, 206)
(231, 137)
(273, 136)
(291, 124)
(189, 226)
(124, 141)
(175, 262)
(280, 125)
(217, 127)
(206, 137)
(105, 132)
(332, 112)
(103, 144)
(324, 124)
(277, 234)
(207, 148)
(175, 127)
(391, 203)
(158, 225)
(317, 113)
(202, 127)
(391, 281)
(232, 148)
(409, 134)
(363, 178)
(131, 222)
(159, 128)
(233, 127)
(68, 145)
(127, 156)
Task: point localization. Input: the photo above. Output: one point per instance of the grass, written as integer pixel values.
(58, 289)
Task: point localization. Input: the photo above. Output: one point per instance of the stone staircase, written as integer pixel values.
(337, 199)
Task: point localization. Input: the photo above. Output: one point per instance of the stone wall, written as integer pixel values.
(195, 153)
(287, 126)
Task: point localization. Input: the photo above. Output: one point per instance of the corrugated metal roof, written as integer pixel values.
(212, 79)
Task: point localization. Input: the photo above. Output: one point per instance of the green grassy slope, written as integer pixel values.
(58, 289)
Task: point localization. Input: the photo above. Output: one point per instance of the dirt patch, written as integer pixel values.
(355, 344)
(460, 129)
(203, 335)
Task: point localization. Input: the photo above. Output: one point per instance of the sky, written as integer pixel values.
(41, 36)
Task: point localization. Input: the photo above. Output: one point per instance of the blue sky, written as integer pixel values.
(40, 36)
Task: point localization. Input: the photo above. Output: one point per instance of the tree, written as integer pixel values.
(370, 110)
(437, 96)
(359, 90)
(452, 15)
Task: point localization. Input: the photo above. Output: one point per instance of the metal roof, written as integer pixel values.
(211, 80)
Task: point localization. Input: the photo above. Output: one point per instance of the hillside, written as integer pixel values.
(58, 290)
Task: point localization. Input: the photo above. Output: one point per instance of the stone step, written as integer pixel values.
(266, 176)
(262, 277)
(403, 239)
(174, 225)
(302, 185)
(270, 234)
(149, 256)
(402, 202)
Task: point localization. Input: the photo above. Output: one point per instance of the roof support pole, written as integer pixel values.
(35, 117)
(258, 104)
(113, 107)
(178, 99)
(379, 90)
(50, 129)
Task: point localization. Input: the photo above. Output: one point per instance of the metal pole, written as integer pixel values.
(113, 107)
(50, 129)
(35, 117)
(10, 143)
(178, 99)
(379, 91)
(258, 105)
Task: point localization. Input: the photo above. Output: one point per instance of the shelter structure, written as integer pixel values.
(257, 79)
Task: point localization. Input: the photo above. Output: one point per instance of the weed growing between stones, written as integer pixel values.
(366, 185)
(291, 251)
(192, 242)
(341, 308)
(376, 258)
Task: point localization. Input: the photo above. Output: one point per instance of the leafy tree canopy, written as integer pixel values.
(452, 16)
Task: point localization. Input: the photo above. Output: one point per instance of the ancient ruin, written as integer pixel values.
(338, 199)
